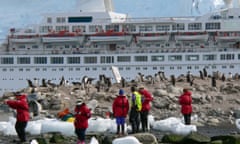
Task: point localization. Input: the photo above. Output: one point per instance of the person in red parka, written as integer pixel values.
(146, 107)
(21, 106)
(81, 113)
(120, 108)
(185, 100)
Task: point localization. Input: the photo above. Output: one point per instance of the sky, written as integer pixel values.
(21, 13)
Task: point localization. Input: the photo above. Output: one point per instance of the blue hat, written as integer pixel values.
(121, 92)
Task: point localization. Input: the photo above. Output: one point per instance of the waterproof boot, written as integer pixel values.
(118, 129)
(123, 129)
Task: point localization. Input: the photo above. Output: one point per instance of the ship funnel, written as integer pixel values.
(228, 3)
(94, 5)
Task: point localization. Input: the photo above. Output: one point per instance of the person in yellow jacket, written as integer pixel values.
(135, 108)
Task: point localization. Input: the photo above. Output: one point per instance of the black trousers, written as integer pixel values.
(144, 120)
(20, 129)
(134, 120)
(187, 119)
(80, 134)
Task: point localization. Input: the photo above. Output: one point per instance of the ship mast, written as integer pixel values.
(94, 5)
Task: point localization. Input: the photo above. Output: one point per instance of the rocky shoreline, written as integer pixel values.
(216, 107)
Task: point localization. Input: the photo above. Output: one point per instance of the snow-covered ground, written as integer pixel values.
(172, 124)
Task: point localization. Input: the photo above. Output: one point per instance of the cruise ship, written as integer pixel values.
(93, 40)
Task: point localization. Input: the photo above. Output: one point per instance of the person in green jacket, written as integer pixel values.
(135, 108)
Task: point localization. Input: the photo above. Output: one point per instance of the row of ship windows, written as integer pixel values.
(120, 68)
(134, 28)
(111, 59)
(192, 44)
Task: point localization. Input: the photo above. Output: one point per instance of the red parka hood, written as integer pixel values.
(20, 97)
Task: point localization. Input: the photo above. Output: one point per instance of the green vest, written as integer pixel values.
(138, 100)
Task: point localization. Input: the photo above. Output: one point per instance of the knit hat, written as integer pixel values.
(121, 92)
(17, 93)
(141, 87)
(79, 101)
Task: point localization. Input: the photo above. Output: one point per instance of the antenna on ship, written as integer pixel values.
(195, 5)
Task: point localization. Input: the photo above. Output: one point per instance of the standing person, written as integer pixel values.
(120, 109)
(185, 101)
(136, 106)
(81, 113)
(21, 106)
(146, 98)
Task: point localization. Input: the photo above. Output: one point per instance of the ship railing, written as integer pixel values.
(120, 51)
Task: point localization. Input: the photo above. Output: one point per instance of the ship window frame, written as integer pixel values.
(21, 47)
(23, 60)
(192, 57)
(141, 58)
(138, 68)
(60, 19)
(90, 60)
(56, 60)
(40, 60)
(104, 68)
(7, 60)
(157, 58)
(62, 28)
(45, 29)
(145, 28)
(113, 27)
(209, 57)
(79, 28)
(35, 46)
(163, 28)
(106, 59)
(189, 67)
(179, 67)
(213, 26)
(224, 66)
(123, 58)
(132, 28)
(49, 20)
(178, 26)
(95, 28)
(195, 26)
(82, 19)
(230, 56)
(73, 60)
(154, 68)
(171, 67)
(175, 58)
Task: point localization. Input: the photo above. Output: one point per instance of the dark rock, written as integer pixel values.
(57, 138)
(229, 139)
(172, 138)
(195, 138)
